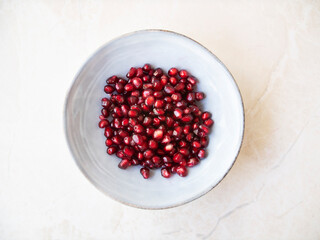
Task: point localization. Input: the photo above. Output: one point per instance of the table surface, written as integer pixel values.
(271, 47)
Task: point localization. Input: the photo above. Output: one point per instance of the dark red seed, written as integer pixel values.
(119, 87)
(156, 122)
(173, 81)
(168, 147)
(184, 151)
(129, 87)
(137, 138)
(135, 162)
(208, 122)
(127, 140)
(169, 89)
(192, 80)
(153, 144)
(108, 89)
(158, 72)
(172, 72)
(146, 78)
(138, 128)
(176, 97)
(187, 118)
(132, 72)
(179, 87)
(147, 86)
(123, 133)
(146, 93)
(189, 87)
(146, 67)
(124, 163)
(112, 80)
(105, 102)
(182, 104)
(158, 94)
(165, 172)
(133, 113)
(166, 139)
(196, 144)
(147, 121)
(199, 96)
(183, 73)
(192, 162)
(108, 132)
(116, 140)
(128, 151)
(173, 169)
(204, 128)
(140, 156)
(103, 123)
(159, 103)
(158, 134)
(204, 141)
(109, 142)
(189, 137)
(177, 157)
(190, 97)
(149, 101)
(205, 115)
(178, 113)
(148, 154)
(158, 111)
(145, 172)
(202, 153)
(150, 131)
(111, 150)
(182, 144)
(137, 82)
(139, 72)
(167, 159)
(156, 159)
(167, 99)
(182, 171)
(177, 131)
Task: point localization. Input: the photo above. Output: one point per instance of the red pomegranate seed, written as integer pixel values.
(103, 123)
(196, 144)
(116, 140)
(138, 128)
(159, 103)
(178, 113)
(173, 81)
(192, 80)
(177, 157)
(146, 67)
(204, 141)
(119, 87)
(205, 115)
(166, 139)
(149, 101)
(108, 89)
(208, 122)
(145, 172)
(179, 87)
(156, 122)
(202, 153)
(127, 140)
(109, 142)
(158, 134)
(105, 102)
(183, 73)
(140, 156)
(137, 138)
(168, 147)
(187, 118)
(147, 121)
(111, 150)
(112, 80)
(182, 104)
(156, 159)
(172, 72)
(158, 111)
(158, 94)
(139, 72)
(124, 163)
(129, 87)
(190, 97)
(177, 131)
(176, 97)
(133, 113)
(148, 154)
(158, 72)
(132, 72)
(167, 99)
(184, 151)
(182, 171)
(189, 137)
(108, 132)
(199, 96)
(204, 128)
(192, 162)
(150, 131)
(137, 82)
(128, 151)
(169, 89)
(165, 172)
(153, 144)
(189, 87)
(146, 93)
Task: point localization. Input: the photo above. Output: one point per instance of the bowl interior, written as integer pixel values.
(165, 50)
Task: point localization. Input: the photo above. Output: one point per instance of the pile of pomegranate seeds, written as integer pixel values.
(152, 119)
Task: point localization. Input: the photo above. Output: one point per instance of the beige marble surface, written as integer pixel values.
(271, 47)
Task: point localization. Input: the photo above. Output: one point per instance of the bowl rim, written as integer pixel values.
(67, 98)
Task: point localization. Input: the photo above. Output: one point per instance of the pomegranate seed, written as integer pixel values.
(168, 147)
(181, 171)
(176, 97)
(172, 72)
(165, 172)
(158, 134)
(133, 113)
(119, 87)
(159, 103)
(184, 151)
(138, 128)
(164, 80)
(167, 99)
(108, 89)
(158, 72)
(189, 87)
(145, 172)
(190, 97)
(166, 139)
(111, 150)
(178, 113)
(199, 96)
(153, 144)
(116, 140)
(108, 132)
(157, 86)
(204, 128)
(123, 133)
(158, 94)
(150, 131)
(192, 162)
(146, 67)
(112, 80)
(158, 111)
(148, 154)
(169, 89)
(140, 156)
(147, 121)
(128, 151)
(135, 162)
(156, 159)
(177, 131)
(179, 87)
(182, 104)
(196, 144)
(124, 164)
(137, 82)
(208, 122)
(204, 141)
(187, 118)
(202, 153)
(173, 81)
(146, 93)
(105, 102)
(177, 157)
(137, 139)
(156, 122)
(183, 74)
(109, 142)
(127, 140)
(132, 72)
(145, 78)
(139, 72)
(205, 115)
(129, 87)
(192, 80)
(103, 123)
(149, 101)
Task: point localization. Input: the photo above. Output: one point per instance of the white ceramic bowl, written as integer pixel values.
(162, 49)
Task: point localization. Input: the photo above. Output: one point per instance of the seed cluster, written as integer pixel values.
(152, 119)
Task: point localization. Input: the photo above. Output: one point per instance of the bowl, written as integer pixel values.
(162, 49)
